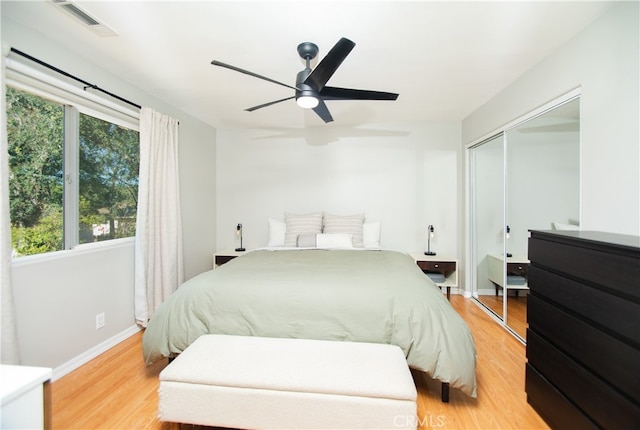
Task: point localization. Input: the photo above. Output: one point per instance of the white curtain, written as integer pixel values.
(10, 347)
(158, 253)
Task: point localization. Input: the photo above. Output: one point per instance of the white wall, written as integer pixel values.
(57, 297)
(604, 61)
(197, 193)
(403, 175)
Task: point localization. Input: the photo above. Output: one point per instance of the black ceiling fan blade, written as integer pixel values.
(251, 109)
(329, 64)
(335, 93)
(323, 111)
(246, 72)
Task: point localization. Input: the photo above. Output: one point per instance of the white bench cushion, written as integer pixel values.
(255, 382)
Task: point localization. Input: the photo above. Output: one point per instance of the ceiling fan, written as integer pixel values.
(310, 89)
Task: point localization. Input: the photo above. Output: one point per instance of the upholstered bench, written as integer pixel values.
(266, 383)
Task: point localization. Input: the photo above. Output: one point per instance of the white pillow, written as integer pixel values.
(301, 224)
(276, 232)
(349, 224)
(371, 235)
(334, 240)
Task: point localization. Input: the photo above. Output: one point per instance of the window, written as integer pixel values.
(73, 174)
(35, 132)
(108, 186)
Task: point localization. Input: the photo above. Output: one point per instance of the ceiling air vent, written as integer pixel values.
(84, 17)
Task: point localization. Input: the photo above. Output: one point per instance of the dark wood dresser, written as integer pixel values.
(583, 341)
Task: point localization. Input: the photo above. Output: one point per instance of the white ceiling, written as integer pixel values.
(444, 58)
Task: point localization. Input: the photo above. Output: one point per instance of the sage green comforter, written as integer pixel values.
(350, 295)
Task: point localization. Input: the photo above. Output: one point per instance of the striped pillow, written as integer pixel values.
(349, 224)
(301, 224)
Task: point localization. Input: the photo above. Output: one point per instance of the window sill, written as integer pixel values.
(84, 248)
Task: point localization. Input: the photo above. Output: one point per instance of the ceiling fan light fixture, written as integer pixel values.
(310, 85)
(307, 101)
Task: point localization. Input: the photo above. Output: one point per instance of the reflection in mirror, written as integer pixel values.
(543, 192)
(487, 211)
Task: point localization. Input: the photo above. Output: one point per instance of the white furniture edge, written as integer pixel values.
(18, 380)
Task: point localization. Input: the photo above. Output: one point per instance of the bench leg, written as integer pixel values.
(445, 392)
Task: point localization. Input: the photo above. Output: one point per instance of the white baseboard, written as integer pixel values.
(457, 291)
(489, 292)
(89, 355)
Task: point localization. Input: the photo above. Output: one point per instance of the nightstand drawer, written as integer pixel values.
(517, 269)
(221, 259)
(443, 267)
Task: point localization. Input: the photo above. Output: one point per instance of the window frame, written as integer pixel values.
(45, 84)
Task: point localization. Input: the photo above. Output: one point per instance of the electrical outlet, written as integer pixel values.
(99, 321)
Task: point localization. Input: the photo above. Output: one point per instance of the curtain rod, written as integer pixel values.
(87, 84)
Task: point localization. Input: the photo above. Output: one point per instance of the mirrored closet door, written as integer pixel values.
(539, 189)
(488, 212)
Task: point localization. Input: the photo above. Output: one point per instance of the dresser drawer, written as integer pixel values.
(605, 406)
(617, 272)
(615, 361)
(552, 405)
(610, 311)
(444, 267)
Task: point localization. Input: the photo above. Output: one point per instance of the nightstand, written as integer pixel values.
(517, 268)
(438, 264)
(221, 257)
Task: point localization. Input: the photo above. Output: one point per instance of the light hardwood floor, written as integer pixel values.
(117, 391)
(516, 311)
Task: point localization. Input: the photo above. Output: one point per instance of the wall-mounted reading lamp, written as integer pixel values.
(239, 233)
(430, 231)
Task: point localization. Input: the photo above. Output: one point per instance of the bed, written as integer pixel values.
(326, 294)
